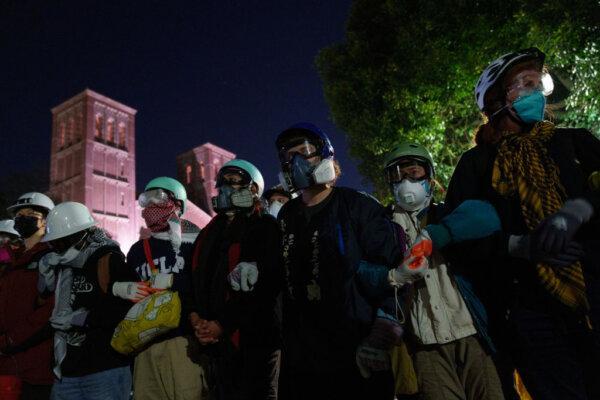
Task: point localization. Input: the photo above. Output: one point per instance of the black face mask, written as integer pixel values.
(26, 225)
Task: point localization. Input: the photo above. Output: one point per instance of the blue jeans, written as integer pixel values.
(113, 384)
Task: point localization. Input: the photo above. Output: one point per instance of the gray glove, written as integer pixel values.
(373, 354)
(556, 231)
(520, 246)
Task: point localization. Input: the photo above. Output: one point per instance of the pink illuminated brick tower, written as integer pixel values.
(92, 161)
(197, 170)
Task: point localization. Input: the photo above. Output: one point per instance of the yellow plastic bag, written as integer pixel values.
(146, 320)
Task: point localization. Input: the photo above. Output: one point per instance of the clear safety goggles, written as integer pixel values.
(529, 81)
(402, 169)
(303, 148)
(153, 196)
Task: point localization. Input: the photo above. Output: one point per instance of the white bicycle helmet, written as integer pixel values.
(499, 67)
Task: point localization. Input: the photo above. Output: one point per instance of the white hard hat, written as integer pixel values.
(32, 199)
(8, 226)
(67, 218)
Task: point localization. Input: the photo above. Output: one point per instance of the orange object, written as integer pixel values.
(520, 387)
(416, 263)
(422, 249)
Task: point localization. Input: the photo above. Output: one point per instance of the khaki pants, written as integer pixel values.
(459, 370)
(164, 372)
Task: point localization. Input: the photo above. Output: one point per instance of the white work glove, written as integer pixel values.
(369, 359)
(415, 262)
(162, 281)
(134, 291)
(243, 276)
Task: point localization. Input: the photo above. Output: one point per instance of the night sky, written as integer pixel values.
(234, 73)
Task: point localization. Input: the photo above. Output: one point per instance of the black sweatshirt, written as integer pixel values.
(254, 313)
(163, 257)
(486, 262)
(92, 289)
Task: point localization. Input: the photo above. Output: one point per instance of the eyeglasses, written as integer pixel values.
(153, 196)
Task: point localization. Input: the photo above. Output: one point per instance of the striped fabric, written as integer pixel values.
(524, 166)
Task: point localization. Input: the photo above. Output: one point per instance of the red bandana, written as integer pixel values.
(157, 215)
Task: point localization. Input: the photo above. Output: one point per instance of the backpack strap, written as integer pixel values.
(148, 254)
(104, 272)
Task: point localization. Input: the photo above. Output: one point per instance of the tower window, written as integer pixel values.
(188, 173)
(99, 121)
(71, 130)
(110, 130)
(62, 133)
(122, 139)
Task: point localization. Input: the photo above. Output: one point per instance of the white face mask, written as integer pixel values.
(63, 259)
(69, 255)
(412, 195)
(275, 207)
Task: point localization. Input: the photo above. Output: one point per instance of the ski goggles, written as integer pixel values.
(529, 81)
(402, 169)
(153, 196)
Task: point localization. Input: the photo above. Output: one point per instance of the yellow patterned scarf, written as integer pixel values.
(524, 166)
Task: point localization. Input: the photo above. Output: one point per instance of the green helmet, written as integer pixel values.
(170, 184)
(254, 173)
(413, 150)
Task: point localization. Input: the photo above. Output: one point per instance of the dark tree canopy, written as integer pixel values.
(407, 70)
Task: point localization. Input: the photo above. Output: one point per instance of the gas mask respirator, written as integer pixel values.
(303, 174)
(230, 199)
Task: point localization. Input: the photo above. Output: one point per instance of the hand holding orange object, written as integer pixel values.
(422, 248)
(134, 291)
(415, 262)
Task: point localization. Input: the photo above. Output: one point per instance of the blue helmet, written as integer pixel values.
(292, 135)
(298, 172)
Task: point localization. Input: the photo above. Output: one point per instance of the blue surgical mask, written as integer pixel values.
(530, 108)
